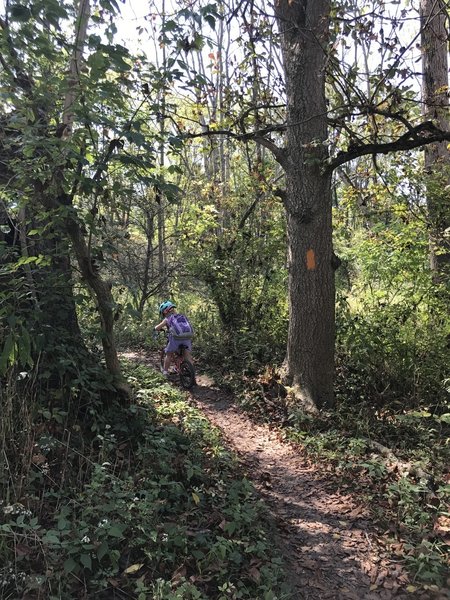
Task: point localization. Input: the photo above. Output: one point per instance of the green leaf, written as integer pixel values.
(120, 64)
(20, 12)
(63, 524)
(110, 5)
(70, 565)
(86, 561)
(98, 63)
(211, 21)
(175, 169)
(198, 41)
(116, 531)
(421, 413)
(94, 41)
(170, 26)
(24, 343)
(136, 137)
(102, 550)
(230, 527)
(51, 538)
(170, 190)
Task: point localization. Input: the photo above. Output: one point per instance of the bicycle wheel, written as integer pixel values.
(161, 359)
(187, 375)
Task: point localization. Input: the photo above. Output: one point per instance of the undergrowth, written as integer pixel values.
(397, 460)
(148, 506)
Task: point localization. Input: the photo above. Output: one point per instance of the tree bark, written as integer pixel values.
(434, 16)
(105, 303)
(310, 349)
(149, 233)
(73, 88)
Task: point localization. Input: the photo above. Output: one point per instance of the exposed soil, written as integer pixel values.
(330, 546)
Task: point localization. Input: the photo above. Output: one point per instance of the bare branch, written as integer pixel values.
(256, 136)
(416, 137)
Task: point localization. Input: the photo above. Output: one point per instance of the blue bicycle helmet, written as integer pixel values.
(166, 306)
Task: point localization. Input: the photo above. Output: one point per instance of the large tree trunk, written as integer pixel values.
(436, 103)
(310, 350)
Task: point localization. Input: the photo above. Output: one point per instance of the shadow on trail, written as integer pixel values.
(325, 537)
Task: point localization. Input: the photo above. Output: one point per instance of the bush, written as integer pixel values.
(143, 499)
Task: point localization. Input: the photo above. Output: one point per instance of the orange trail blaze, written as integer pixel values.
(310, 260)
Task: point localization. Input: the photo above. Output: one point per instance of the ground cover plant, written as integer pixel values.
(152, 506)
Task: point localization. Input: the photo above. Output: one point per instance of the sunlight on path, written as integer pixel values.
(325, 537)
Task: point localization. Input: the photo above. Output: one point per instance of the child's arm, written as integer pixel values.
(161, 325)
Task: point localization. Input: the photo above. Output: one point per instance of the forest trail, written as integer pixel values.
(325, 536)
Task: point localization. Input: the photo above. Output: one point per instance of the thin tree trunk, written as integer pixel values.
(161, 238)
(434, 16)
(105, 303)
(25, 254)
(162, 253)
(84, 12)
(149, 232)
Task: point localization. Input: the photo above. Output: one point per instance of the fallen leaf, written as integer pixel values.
(22, 550)
(319, 585)
(356, 512)
(254, 574)
(442, 525)
(179, 574)
(133, 568)
(309, 564)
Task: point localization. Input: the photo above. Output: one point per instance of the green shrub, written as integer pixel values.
(152, 504)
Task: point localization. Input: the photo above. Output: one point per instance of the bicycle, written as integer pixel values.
(183, 367)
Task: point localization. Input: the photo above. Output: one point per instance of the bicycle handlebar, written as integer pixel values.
(156, 333)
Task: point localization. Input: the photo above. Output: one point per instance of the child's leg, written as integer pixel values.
(168, 360)
(187, 355)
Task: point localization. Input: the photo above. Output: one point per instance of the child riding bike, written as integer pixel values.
(180, 333)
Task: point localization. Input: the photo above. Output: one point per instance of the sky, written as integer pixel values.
(132, 16)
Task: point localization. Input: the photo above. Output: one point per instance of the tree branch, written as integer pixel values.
(280, 154)
(256, 136)
(416, 137)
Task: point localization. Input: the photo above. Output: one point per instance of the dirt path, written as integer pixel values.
(325, 537)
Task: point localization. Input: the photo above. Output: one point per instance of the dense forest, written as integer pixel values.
(281, 171)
